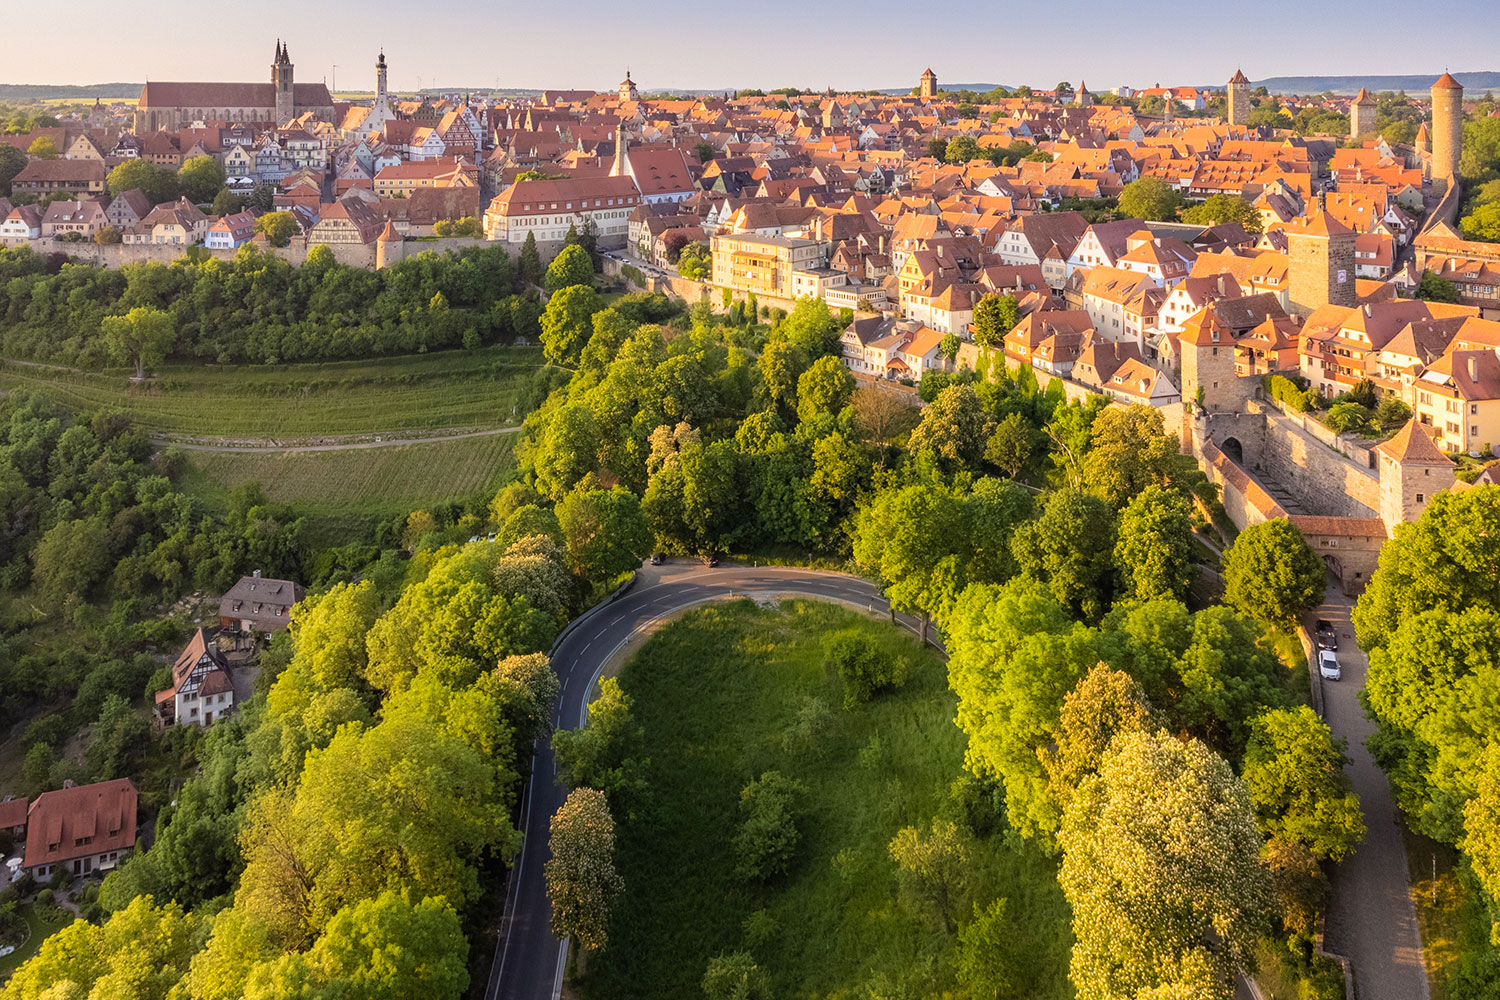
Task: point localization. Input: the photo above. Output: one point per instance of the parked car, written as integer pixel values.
(713, 561)
(657, 558)
(1328, 665)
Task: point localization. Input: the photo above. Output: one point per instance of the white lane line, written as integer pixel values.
(562, 965)
(515, 886)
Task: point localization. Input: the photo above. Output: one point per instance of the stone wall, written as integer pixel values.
(353, 254)
(1323, 479)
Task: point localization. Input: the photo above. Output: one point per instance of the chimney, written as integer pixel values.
(1473, 368)
(256, 574)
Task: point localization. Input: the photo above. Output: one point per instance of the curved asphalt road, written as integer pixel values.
(529, 960)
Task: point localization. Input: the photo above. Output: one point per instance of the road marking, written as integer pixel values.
(515, 886)
(562, 966)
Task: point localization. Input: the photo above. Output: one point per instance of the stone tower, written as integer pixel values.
(380, 80)
(1423, 141)
(621, 166)
(929, 87)
(281, 76)
(1447, 131)
(1239, 98)
(1208, 376)
(1085, 99)
(1321, 270)
(1412, 471)
(390, 248)
(1362, 115)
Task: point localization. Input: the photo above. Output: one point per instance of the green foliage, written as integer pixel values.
(1129, 450)
(989, 953)
(606, 532)
(1150, 199)
(571, 266)
(1105, 703)
(568, 321)
(1295, 397)
(694, 263)
(954, 429)
(279, 227)
(1271, 575)
(1161, 850)
(734, 976)
(594, 756)
(1154, 552)
(142, 336)
(530, 263)
(994, 316)
(932, 866)
(824, 388)
(200, 178)
(12, 162)
(960, 149)
(1348, 417)
(1294, 768)
(1223, 209)
(862, 666)
(1070, 549)
(1435, 288)
(767, 840)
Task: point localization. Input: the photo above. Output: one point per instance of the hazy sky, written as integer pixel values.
(875, 43)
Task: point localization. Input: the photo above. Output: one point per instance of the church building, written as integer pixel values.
(166, 105)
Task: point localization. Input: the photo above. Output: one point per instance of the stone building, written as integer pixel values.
(1447, 131)
(1412, 471)
(628, 91)
(1362, 114)
(1239, 99)
(168, 105)
(1321, 268)
(929, 85)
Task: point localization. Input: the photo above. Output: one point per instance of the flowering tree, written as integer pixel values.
(581, 878)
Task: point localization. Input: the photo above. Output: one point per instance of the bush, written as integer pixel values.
(1348, 417)
(862, 666)
(1292, 395)
(1392, 413)
(768, 837)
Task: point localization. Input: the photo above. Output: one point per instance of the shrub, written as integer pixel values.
(862, 666)
(1348, 417)
(768, 837)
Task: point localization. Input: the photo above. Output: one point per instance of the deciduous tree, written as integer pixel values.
(1294, 768)
(933, 866)
(581, 878)
(141, 337)
(1151, 199)
(570, 267)
(1271, 575)
(1154, 552)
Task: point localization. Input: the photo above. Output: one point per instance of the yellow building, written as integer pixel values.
(1458, 396)
(763, 264)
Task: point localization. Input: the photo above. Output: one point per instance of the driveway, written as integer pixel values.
(1371, 920)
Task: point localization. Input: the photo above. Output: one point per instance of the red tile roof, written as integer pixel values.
(102, 814)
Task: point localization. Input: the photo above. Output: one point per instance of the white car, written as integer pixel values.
(1328, 665)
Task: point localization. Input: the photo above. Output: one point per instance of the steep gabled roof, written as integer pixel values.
(1412, 446)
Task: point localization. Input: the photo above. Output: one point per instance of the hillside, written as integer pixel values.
(43, 92)
(1474, 83)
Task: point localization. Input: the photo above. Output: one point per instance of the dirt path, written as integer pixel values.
(274, 448)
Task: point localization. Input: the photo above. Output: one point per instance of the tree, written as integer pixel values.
(1483, 223)
(694, 262)
(140, 953)
(986, 959)
(1070, 549)
(781, 365)
(158, 184)
(1224, 209)
(949, 345)
(570, 267)
(227, 202)
(1151, 199)
(1154, 552)
(1161, 864)
(606, 532)
(392, 947)
(881, 415)
(1011, 446)
(107, 236)
(961, 149)
(594, 756)
(1435, 288)
(42, 148)
(1271, 575)
(937, 149)
(1129, 449)
(568, 321)
(70, 558)
(933, 866)
(581, 879)
(954, 429)
(142, 336)
(200, 179)
(704, 151)
(12, 162)
(531, 261)
(995, 315)
(1104, 704)
(1294, 768)
(825, 387)
(735, 977)
(768, 835)
(279, 227)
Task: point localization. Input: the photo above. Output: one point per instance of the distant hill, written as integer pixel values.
(1474, 83)
(39, 92)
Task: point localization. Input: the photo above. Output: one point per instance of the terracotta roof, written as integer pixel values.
(1239, 77)
(1344, 527)
(1412, 446)
(12, 813)
(1446, 82)
(1363, 98)
(215, 96)
(102, 813)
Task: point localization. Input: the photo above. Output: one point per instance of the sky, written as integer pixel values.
(589, 44)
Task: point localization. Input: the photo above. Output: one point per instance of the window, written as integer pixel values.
(1421, 497)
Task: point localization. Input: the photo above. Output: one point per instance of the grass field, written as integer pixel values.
(443, 390)
(40, 930)
(714, 694)
(1454, 921)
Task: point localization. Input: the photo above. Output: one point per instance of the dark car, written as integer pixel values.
(657, 558)
(1327, 637)
(713, 561)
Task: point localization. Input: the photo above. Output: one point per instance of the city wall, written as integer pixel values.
(1326, 473)
(117, 255)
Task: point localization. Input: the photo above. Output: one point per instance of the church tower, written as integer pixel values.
(628, 92)
(1085, 99)
(281, 77)
(929, 87)
(1239, 98)
(621, 167)
(1362, 115)
(380, 78)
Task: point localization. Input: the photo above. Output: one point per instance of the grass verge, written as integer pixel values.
(720, 697)
(422, 392)
(1452, 917)
(40, 930)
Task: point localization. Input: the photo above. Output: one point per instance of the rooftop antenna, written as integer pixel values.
(335, 77)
